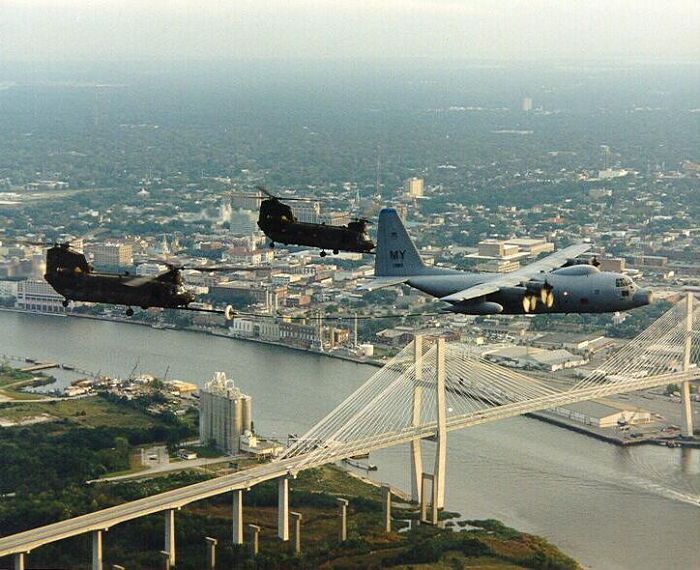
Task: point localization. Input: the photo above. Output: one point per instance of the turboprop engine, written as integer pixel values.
(530, 294)
(538, 289)
(477, 308)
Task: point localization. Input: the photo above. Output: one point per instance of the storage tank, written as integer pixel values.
(366, 350)
(246, 413)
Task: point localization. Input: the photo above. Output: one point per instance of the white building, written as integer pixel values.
(38, 295)
(225, 413)
(307, 211)
(242, 327)
(603, 414)
(111, 253)
(243, 222)
(414, 187)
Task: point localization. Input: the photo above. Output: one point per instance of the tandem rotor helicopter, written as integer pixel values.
(278, 222)
(70, 274)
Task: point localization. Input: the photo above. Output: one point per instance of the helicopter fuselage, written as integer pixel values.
(115, 288)
(279, 224)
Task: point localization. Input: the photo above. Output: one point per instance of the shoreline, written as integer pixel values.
(542, 416)
(347, 358)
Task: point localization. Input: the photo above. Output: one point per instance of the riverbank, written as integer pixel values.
(605, 435)
(531, 475)
(348, 358)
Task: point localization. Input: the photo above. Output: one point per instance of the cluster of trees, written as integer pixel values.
(492, 538)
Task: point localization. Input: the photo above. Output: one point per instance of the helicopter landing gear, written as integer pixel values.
(65, 302)
(129, 311)
(323, 253)
(335, 252)
(272, 245)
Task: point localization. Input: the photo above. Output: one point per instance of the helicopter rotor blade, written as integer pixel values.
(91, 234)
(285, 198)
(265, 191)
(35, 243)
(214, 268)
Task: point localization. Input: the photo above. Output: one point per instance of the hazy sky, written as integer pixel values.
(55, 30)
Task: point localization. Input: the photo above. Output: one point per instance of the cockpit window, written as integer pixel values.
(623, 282)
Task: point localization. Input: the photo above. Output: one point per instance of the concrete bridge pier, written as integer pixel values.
(253, 533)
(170, 536)
(283, 508)
(96, 550)
(686, 407)
(165, 557)
(296, 520)
(425, 477)
(211, 551)
(19, 561)
(343, 513)
(238, 516)
(386, 507)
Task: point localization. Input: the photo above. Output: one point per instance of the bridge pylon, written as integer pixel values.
(416, 451)
(686, 407)
(441, 432)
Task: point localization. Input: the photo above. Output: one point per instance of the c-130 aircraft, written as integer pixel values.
(549, 285)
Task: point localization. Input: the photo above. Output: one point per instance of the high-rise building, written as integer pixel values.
(413, 187)
(225, 211)
(307, 211)
(527, 104)
(225, 414)
(243, 222)
(111, 253)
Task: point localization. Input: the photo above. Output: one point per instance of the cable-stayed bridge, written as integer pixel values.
(430, 388)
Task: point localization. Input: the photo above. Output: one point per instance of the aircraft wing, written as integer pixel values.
(381, 282)
(553, 261)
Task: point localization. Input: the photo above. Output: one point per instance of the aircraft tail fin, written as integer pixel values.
(396, 253)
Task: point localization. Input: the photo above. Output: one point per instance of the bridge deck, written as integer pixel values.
(106, 518)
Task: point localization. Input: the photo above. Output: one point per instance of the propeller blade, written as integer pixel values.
(526, 303)
(543, 294)
(550, 299)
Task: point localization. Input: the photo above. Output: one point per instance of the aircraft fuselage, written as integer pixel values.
(578, 289)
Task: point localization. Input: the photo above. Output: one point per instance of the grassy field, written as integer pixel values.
(12, 381)
(87, 412)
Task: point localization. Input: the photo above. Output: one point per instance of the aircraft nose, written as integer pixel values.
(642, 297)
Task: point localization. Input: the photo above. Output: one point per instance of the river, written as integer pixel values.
(611, 508)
